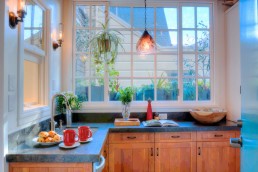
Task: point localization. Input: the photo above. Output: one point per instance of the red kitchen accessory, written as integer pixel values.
(84, 133)
(69, 137)
(149, 111)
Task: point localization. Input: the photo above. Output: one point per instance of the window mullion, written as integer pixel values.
(180, 55)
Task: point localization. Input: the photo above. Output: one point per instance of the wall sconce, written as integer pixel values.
(13, 19)
(60, 41)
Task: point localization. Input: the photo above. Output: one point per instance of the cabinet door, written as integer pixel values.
(175, 157)
(216, 157)
(131, 157)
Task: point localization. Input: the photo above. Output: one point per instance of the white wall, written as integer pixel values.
(3, 95)
(12, 56)
(233, 71)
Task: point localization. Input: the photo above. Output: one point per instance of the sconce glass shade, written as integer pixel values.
(146, 44)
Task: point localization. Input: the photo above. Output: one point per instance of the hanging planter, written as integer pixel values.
(104, 45)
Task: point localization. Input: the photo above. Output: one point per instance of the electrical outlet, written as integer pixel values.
(163, 116)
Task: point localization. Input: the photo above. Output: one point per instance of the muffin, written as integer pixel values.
(51, 134)
(43, 134)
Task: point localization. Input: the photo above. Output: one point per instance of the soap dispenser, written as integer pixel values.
(149, 111)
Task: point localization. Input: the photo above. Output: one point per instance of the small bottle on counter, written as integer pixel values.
(156, 116)
(149, 111)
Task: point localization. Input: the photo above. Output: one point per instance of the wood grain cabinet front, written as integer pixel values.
(50, 167)
(131, 157)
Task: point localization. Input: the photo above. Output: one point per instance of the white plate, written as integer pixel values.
(86, 141)
(62, 145)
(35, 140)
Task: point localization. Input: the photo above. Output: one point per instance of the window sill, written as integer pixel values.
(142, 107)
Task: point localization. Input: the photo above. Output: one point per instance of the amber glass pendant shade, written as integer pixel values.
(146, 44)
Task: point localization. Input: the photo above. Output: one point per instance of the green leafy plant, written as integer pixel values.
(73, 101)
(126, 95)
(104, 45)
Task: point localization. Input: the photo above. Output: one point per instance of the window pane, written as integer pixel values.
(81, 89)
(82, 16)
(125, 37)
(139, 19)
(97, 16)
(189, 64)
(122, 66)
(137, 35)
(204, 89)
(114, 85)
(97, 89)
(167, 89)
(31, 83)
(189, 89)
(82, 68)
(188, 40)
(38, 17)
(188, 17)
(144, 89)
(203, 40)
(204, 65)
(120, 17)
(143, 66)
(82, 40)
(203, 17)
(166, 41)
(167, 66)
(166, 18)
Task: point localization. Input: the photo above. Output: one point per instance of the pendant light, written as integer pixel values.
(146, 44)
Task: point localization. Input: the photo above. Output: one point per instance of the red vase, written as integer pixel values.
(149, 111)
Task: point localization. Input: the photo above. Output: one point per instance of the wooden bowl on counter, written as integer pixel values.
(208, 116)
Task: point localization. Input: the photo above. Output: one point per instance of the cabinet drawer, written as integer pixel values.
(175, 136)
(215, 135)
(130, 137)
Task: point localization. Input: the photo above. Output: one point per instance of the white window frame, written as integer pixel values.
(28, 116)
(161, 106)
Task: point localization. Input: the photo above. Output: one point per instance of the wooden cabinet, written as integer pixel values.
(106, 156)
(131, 152)
(214, 153)
(175, 157)
(50, 167)
(173, 152)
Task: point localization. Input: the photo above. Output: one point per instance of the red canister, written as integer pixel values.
(149, 111)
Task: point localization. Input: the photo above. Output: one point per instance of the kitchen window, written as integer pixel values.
(179, 72)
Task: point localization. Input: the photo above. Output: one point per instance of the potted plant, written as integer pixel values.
(73, 101)
(104, 45)
(126, 96)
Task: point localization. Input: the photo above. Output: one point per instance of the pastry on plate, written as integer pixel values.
(43, 134)
(57, 138)
(41, 139)
(49, 139)
(52, 134)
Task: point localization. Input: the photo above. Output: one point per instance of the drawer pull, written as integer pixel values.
(131, 137)
(157, 151)
(218, 135)
(199, 151)
(174, 137)
(151, 151)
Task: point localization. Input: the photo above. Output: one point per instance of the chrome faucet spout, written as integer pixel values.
(68, 109)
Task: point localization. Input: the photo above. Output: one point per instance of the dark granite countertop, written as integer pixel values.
(90, 152)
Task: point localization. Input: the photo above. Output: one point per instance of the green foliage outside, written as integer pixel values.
(73, 101)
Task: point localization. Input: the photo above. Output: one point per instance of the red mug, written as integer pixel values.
(84, 133)
(69, 137)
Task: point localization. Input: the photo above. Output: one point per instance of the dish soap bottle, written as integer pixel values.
(149, 111)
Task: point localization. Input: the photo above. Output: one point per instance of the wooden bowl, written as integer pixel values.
(207, 117)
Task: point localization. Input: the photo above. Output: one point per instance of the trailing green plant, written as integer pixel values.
(73, 101)
(104, 45)
(126, 95)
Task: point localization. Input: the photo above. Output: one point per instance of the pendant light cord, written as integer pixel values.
(145, 16)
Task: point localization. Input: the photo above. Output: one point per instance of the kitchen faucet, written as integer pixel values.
(68, 111)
